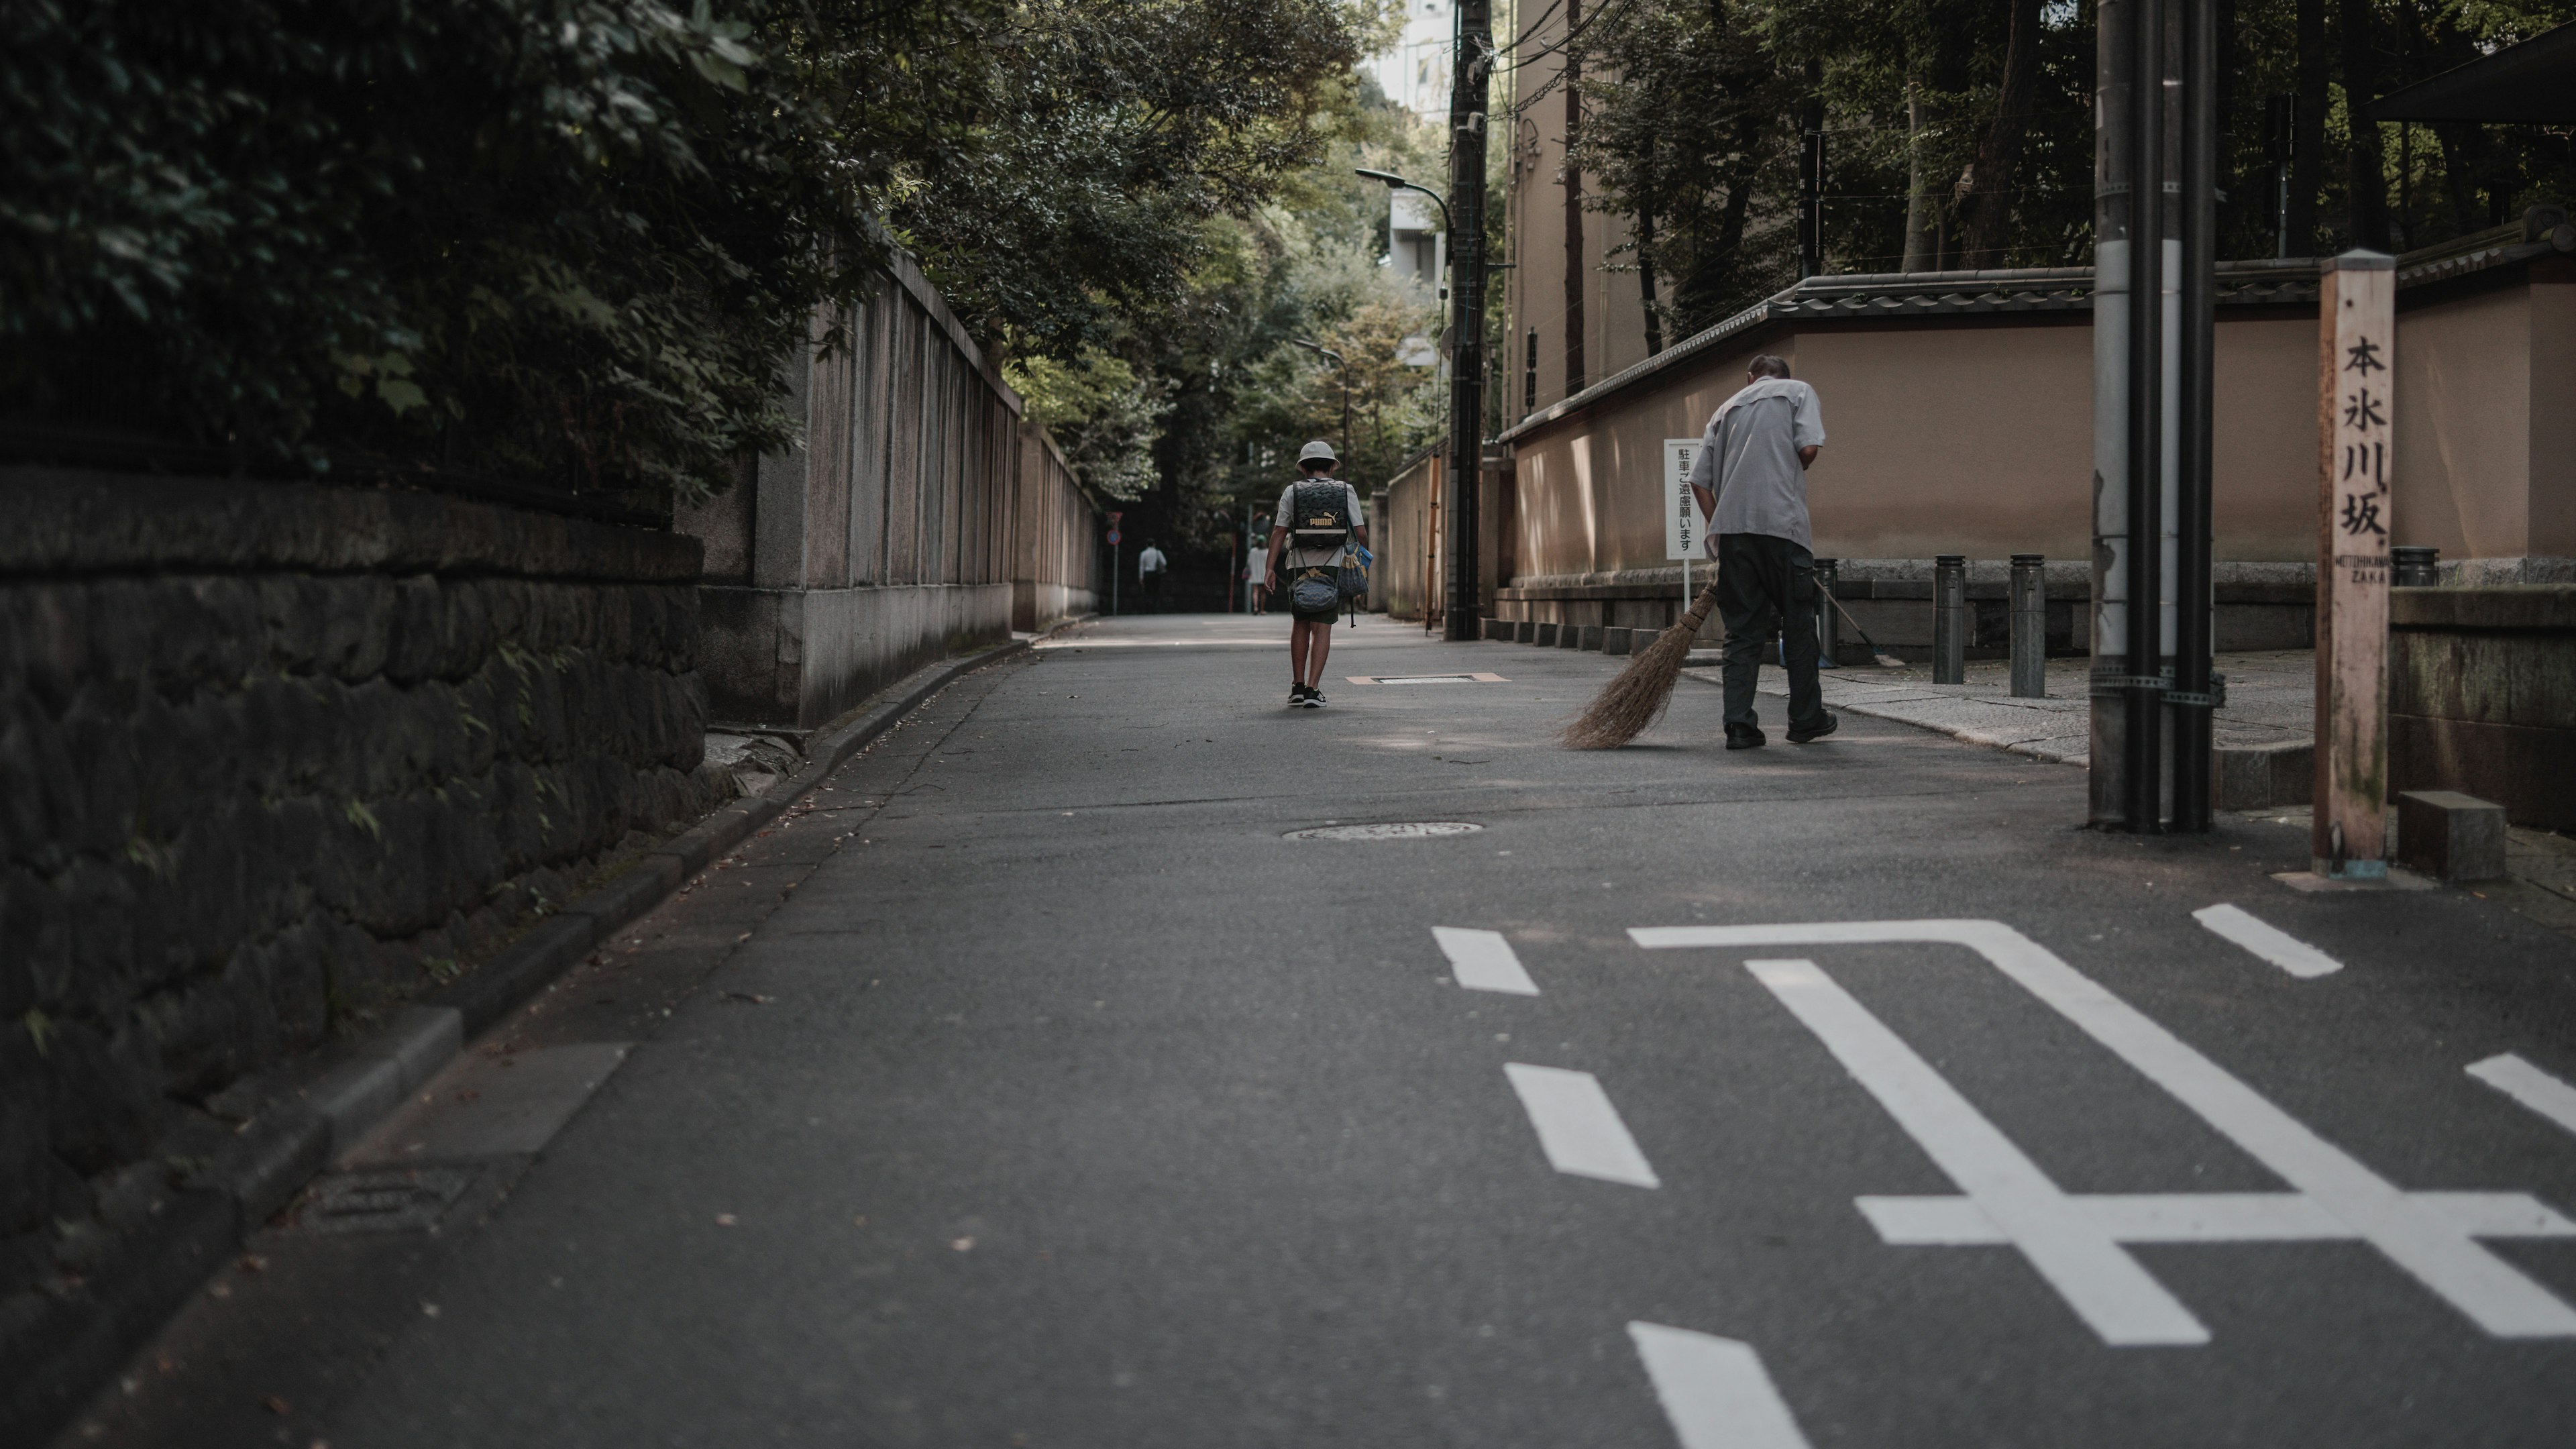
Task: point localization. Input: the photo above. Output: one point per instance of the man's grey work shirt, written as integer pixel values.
(1748, 458)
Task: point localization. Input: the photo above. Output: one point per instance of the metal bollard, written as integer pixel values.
(1828, 572)
(2029, 621)
(1950, 619)
(2415, 566)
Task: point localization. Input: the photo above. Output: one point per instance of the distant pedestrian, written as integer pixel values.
(1256, 567)
(1750, 478)
(1150, 568)
(1317, 526)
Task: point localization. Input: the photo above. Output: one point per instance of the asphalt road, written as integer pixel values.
(1036, 1086)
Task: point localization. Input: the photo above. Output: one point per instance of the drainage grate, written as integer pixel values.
(1387, 830)
(402, 1200)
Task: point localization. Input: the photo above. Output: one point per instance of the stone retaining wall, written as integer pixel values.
(273, 757)
(2482, 697)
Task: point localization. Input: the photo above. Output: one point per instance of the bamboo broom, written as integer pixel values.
(1638, 697)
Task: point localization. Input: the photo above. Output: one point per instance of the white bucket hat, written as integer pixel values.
(1317, 449)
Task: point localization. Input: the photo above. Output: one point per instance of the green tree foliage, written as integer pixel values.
(564, 240)
(1111, 134)
(1974, 117)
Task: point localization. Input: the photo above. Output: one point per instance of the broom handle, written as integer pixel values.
(1699, 608)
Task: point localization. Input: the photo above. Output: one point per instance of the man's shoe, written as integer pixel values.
(1296, 696)
(1800, 737)
(1745, 737)
(1314, 697)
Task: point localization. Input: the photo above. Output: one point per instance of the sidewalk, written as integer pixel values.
(2270, 697)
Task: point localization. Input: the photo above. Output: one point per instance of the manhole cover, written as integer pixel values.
(1387, 830)
(398, 1201)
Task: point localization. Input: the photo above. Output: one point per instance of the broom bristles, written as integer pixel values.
(1643, 690)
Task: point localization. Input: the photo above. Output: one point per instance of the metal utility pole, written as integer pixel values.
(2155, 224)
(1811, 182)
(1576, 374)
(1473, 51)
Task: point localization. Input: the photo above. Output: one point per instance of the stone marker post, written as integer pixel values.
(2356, 355)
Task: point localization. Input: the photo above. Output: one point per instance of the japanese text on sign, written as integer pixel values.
(1682, 529)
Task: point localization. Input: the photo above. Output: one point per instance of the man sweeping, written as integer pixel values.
(1750, 478)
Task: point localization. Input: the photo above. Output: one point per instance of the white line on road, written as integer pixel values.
(2530, 1086)
(1577, 1127)
(1714, 1390)
(2201, 1217)
(2100, 1281)
(2269, 942)
(1483, 961)
(2426, 1234)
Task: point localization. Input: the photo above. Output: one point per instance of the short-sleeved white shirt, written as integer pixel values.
(1293, 557)
(1748, 458)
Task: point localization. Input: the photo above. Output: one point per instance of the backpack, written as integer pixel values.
(1319, 514)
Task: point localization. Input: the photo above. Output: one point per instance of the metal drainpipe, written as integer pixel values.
(2143, 712)
(2194, 695)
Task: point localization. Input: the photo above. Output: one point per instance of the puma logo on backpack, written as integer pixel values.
(1320, 514)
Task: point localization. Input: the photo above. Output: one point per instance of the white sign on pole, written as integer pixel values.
(1681, 510)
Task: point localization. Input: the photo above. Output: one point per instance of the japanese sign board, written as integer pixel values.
(2356, 357)
(1683, 528)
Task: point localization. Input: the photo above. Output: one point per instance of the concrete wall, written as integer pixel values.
(1965, 436)
(890, 538)
(272, 757)
(1056, 550)
(2482, 697)
(1407, 547)
(2486, 416)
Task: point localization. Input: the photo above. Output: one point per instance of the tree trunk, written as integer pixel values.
(2366, 173)
(1922, 233)
(1646, 278)
(1574, 278)
(2308, 128)
(1986, 191)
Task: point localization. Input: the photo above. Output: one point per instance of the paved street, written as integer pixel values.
(1037, 1084)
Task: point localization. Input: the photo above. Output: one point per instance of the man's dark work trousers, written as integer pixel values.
(1766, 583)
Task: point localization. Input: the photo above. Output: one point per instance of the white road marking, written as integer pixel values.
(2099, 1280)
(1714, 1390)
(2530, 1086)
(1577, 1127)
(1483, 961)
(2430, 1235)
(2267, 941)
(2192, 1217)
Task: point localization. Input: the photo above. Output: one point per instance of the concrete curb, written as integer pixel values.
(59, 1359)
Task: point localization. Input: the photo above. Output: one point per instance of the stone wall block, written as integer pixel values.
(402, 892)
(101, 1104)
(26, 810)
(478, 722)
(355, 635)
(464, 627)
(208, 1029)
(212, 881)
(25, 1192)
(549, 733)
(127, 619)
(290, 609)
(224, 632)
(53, 620)
(293, 964)
(281, 723)
(103, 905)
(35, 944)
(100, 743)
(413, 620)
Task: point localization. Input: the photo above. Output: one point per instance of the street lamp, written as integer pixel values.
(1466, 300)
(1321, 350)
(1398, 183)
